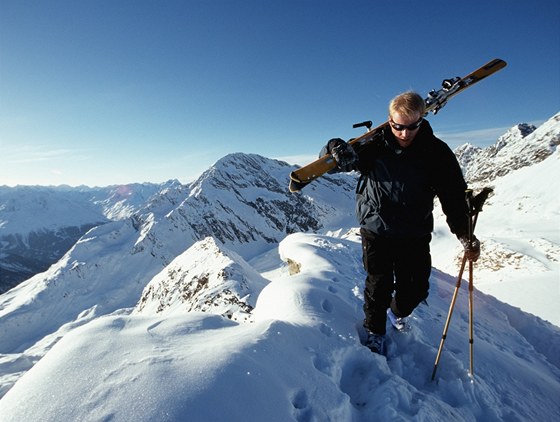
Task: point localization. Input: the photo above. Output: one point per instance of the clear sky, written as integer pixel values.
(102, 92)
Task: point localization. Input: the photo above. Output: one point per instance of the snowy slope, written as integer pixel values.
(520, 225)
(205, 278)
(115, 329)
(39, 224)
(110, 266)
(299, 358)
(25, 209)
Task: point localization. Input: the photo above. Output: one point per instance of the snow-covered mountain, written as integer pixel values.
(233, 288)
(520, 225)
(523, 145)
(205, 278)
(38, 224)
(241, 201)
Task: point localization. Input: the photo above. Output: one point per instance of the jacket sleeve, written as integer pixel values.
(450, 187)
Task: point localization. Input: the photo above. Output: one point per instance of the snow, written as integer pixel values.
(141, 320)
(39, 208)
(298, 358)
(519, 228)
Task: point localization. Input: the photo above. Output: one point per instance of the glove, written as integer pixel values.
(472, 249)
(343, 154)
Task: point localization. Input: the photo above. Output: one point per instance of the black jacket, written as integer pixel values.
(396, 191)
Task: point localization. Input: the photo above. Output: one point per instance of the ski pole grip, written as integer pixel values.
(479, 200)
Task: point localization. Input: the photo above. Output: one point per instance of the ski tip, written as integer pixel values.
(296, 186)
(496, 64)
(294, 177)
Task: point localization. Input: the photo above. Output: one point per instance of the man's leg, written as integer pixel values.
(413, 266)
(378, 264)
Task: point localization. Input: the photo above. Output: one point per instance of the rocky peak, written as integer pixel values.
(520, 146)
(205, 278)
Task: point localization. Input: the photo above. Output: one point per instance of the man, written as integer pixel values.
(402, 171)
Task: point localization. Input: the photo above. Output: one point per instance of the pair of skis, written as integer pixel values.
(435, 100)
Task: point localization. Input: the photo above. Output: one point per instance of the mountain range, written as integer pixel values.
(38, 224)
(212, 247)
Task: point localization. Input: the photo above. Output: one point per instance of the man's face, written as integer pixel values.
(405, 128)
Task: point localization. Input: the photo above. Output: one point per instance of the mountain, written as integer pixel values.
(38, 225)
(231, 287)
(523, 145)
(205, 278)
(242, 201)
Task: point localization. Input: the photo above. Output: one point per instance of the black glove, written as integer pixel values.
(472, 249)
(343, 154)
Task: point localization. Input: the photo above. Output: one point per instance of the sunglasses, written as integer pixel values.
(412, 126)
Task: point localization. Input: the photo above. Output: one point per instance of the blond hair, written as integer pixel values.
(408, 104)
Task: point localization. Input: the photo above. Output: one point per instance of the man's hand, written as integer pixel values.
(343, 154)
(472, 249)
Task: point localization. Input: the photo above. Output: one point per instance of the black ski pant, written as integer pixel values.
(398, 272)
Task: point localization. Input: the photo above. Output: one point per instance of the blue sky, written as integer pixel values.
(112, 91)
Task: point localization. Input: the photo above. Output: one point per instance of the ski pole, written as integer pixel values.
(471, 320)
(473, 215)
(448, 321)
(475, 206)
(468, 197)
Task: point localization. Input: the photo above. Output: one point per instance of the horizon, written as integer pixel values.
(102, 94)
(298, 160)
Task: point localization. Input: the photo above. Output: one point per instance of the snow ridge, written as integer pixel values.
(298, 357)
(205, 278)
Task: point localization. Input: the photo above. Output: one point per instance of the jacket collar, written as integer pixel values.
(423, 134)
